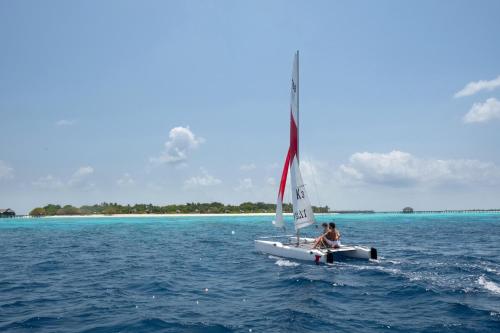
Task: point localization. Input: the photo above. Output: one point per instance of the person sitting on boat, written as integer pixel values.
(320, 241)
(332, 238)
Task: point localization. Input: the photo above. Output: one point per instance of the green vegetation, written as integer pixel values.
(188, 208)
(38, 212)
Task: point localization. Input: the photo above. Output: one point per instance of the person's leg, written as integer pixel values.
(326, 243)
(317, 242)
(315, 245)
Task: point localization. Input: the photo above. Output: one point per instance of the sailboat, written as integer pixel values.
(296, 247)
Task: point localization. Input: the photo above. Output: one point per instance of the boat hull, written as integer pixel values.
(305, 252)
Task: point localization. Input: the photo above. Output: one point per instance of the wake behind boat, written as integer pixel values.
(295, 247)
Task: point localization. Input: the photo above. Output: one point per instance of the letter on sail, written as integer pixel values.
(302, 211)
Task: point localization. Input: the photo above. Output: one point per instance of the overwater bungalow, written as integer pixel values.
(407, 210)
(7, 212)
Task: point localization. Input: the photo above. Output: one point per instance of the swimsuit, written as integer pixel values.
(332, 243)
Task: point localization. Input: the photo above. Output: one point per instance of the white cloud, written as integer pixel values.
(395, 167)
(273, 166)
(6, 172)
(204, 180)
(315, 173)
(125, 180)
(65, 122)
(473, 87)
(78, 179)
(248, 167)
(48, 182)
(271, 181)
(83, 171)
(401, 169)
(80, 175)
(483, 112)
(181, 141)
(351, 172)
(309, 169)
(244, 184)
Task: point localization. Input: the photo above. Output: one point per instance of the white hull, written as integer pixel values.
(305, 252)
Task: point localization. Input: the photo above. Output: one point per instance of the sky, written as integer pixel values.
(188, 101)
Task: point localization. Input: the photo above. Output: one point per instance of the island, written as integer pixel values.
(106, 208)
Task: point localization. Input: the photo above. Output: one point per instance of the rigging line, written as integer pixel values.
(314, 182)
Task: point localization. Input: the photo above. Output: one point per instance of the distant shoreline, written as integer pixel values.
(105, 209)
(162, 215)
(174, 215)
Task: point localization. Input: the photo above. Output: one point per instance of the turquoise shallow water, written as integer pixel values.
(436, 273)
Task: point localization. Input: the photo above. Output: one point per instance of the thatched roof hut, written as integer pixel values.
(407, 210)
(7, 212)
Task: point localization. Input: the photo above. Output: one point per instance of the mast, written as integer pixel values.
(298, 126)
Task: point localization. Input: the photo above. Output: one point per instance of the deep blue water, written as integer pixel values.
(436, 273)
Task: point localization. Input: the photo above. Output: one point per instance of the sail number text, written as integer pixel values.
(300, 214)
(300, 193)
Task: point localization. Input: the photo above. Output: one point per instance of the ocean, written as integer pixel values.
(435, 273)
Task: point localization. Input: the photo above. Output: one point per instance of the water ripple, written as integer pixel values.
(204, 275)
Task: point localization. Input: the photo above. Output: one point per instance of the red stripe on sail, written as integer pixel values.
(292, 152)
(293, 136)
(281, 192)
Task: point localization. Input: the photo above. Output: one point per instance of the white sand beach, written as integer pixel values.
(160, 215)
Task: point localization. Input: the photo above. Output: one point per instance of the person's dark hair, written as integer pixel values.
(332, 225)
(324, 225)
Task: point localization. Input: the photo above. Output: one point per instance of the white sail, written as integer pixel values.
(303, 215)
(278, 221)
